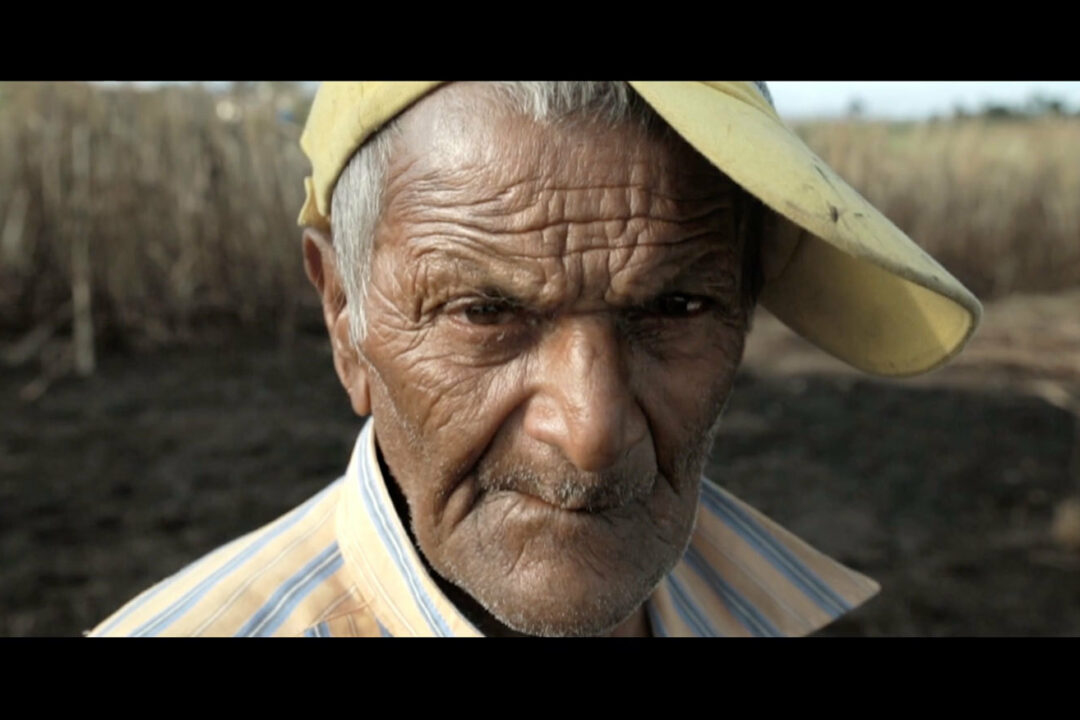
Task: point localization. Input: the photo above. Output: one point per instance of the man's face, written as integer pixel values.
(555, 317)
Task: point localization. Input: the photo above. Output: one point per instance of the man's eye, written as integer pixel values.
(490, 313)
(677, 305)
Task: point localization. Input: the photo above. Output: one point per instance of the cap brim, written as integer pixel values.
(845, 278)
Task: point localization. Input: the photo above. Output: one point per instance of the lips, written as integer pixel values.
(591, 495)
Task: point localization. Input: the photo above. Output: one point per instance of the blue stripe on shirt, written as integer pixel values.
(168, 582)
(384, 529)
(688, 611)
(164, 619)
(164, 585)
(780, 557)
(283, 601)
(744, 611)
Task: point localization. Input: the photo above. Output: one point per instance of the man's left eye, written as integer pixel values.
(490, 313)
(677, 305)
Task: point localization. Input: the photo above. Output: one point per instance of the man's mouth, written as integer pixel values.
(572, 494)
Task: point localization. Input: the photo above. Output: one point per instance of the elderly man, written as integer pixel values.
(540, 292)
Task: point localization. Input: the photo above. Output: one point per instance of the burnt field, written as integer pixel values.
(945, 495)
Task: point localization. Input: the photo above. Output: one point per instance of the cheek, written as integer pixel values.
(435, 414)
(445, 403)
(684, 389)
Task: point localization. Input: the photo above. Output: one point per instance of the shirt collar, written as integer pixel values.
(742, 573)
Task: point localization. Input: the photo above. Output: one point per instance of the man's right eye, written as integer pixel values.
(678, 306)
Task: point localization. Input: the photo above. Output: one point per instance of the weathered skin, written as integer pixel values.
(555, 318)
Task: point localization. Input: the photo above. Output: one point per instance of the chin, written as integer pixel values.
(548, 604)
(543, 571)
(566, 621)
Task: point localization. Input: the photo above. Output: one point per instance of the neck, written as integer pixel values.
(637, 625)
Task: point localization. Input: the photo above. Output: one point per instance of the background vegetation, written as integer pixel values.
(184, 201)
(186, 198)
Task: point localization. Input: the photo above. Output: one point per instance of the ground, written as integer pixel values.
(943, 489)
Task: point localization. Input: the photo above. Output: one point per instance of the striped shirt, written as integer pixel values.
(342, 564)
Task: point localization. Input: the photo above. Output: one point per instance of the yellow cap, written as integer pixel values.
(837, 271)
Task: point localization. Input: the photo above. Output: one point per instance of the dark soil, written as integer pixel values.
(944, 496)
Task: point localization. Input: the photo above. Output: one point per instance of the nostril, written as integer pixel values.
(590, 436)
(596, 437)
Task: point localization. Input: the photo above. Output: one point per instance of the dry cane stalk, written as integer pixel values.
(83, 322)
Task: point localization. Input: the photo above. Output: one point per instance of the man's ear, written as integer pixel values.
(320, 263)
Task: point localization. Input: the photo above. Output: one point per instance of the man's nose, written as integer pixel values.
(584, 404)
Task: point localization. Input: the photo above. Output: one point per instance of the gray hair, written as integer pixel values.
(356, 205)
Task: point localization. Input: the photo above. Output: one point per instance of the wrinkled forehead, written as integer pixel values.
(466, 139)
(479, 193)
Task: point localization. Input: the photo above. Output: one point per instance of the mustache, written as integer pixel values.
(569, 488)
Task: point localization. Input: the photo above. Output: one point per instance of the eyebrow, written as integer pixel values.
(448, 271)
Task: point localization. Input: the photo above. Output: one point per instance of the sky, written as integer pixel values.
(902, 100)
(910, 100)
